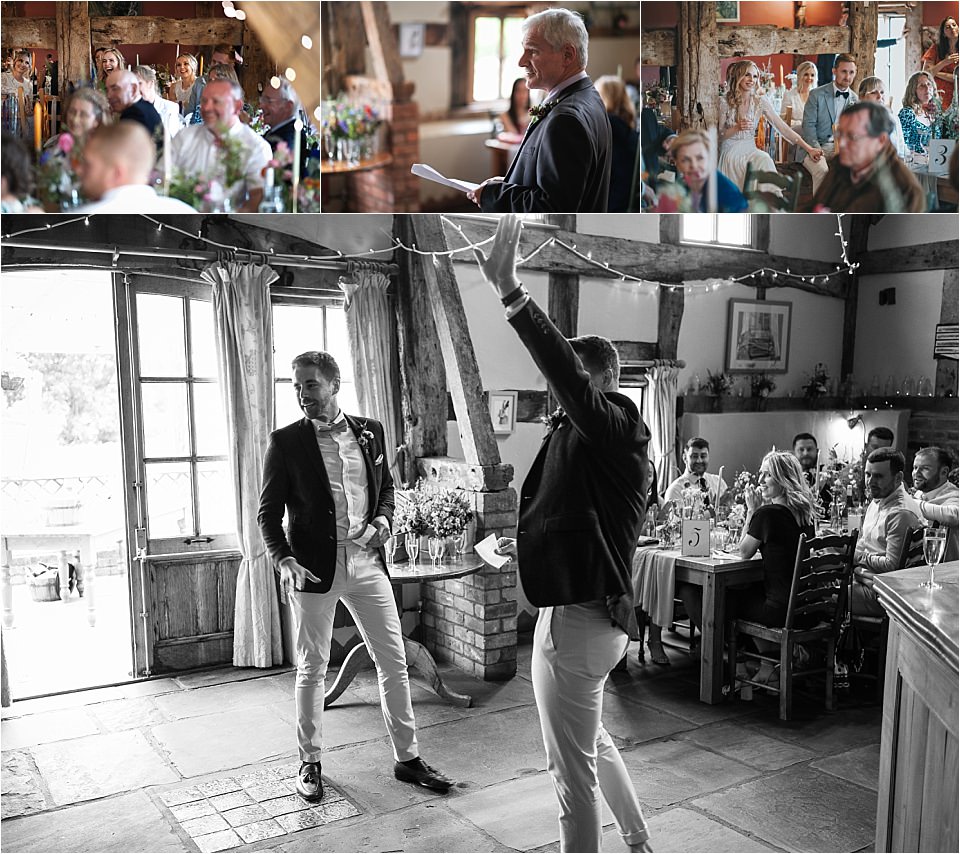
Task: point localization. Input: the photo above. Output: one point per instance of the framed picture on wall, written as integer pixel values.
(728, 10)
(758, 336)
(411, 40)
(503, 411)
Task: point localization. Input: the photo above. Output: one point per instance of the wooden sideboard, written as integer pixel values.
(917, 793)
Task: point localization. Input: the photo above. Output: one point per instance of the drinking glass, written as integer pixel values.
(412, 543)
(390, 547)
(435, 547)
(934, 543)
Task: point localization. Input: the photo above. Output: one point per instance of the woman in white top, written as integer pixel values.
(179, 90)
(19, 78)
(797, 96)
(872, 89)
(740, 112)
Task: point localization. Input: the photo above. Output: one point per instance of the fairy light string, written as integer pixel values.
(771, 274)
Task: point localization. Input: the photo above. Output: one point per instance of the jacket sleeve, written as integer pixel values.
(386, 497)
(273, 495)
(808, 130)
(597, 418)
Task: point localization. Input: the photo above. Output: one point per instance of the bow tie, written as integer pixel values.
(843, 95)
(327, 428)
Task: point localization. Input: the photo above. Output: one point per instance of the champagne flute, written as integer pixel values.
(412, 543)
(390, 547)
(435, 546)
(934, 544)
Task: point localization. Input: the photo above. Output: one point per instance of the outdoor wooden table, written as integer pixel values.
(715, 575)
(418, 656)
(917, 791)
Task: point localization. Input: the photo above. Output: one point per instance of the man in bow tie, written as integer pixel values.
(820, 115)
(696, 456)
(330, 473)
(563, 163)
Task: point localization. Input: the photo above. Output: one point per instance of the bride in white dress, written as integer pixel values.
(740, 112)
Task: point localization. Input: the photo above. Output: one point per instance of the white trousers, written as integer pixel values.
(362, 583)
(818, 168)
(574, 648)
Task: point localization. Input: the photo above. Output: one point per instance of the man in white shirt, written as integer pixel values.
(824, 105)
(195, 150)
(169, 110)
(891, 515)
(938, 498)
(115, 172)
(696, 456)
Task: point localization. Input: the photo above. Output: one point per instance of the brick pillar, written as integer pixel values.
(472, 621)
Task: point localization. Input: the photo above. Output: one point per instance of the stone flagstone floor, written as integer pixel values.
(204, 761)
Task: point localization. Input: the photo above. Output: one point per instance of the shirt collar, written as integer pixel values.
(894, 497)
(338, 419)
(565, 84)
(836, 88)
(945, 488)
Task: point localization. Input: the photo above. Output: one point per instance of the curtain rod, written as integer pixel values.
(193, 255)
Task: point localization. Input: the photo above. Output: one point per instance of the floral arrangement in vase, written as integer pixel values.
(350, 130)
(57, 184)
(817, 385)
(718, 384)
(761, 385)
(433, 511)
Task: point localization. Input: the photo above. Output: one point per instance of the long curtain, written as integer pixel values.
(660, 414)
(371, 325)
(244, 332)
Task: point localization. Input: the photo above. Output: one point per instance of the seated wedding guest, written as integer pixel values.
(866, 176)
(16, 177)
(195, 150)
(690, 151)
(779, 510)
(919, 114)
(168, 110)
(225, 54)
(84, 112)
(939, 499)
(874, 89)
(227, 71)
(656, 141)
(891, 515)
(280, 107)
(564, 162)
(807, 452)
(115, 173)
(123, 93)
(796, 99)
(624, 139)
(110, 60)
(96, 63)
(18, 77)
(948, 121)
(181, 89)
(514, 121)
(740, 112)
(696, 458)
(940, 59)
(824, 105)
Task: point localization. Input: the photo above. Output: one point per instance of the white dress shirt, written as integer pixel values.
(194, 151)
(135, 199)
(942, 505)
(354, 478)
(885, 531)
(675, 490)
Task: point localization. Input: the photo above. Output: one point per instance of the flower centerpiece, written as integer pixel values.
(761, 385)
(57, 184)
(220, 190)
(350, 130)
(719, 384)
(817, 385)
(435, 512)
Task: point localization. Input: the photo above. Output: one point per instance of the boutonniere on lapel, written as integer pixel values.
(540, 111)
(364, 437)
(554, 420)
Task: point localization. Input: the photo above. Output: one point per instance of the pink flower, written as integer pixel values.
(283, 148)
(65, 143)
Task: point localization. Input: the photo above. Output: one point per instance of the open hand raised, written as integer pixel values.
(500, 268)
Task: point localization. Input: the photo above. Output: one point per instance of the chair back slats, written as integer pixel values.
(822, 571)
(913, 551)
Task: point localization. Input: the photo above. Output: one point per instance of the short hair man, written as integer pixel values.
(195, 150)
(938, 498)
(867, 175)
(115, 169)
(563, 163)
(879, 437)
(824, 105)
(123, 93)
(807, 452)
(280, 106)
(890, 517)
(169, 110)
(330, 473)
(696, 458)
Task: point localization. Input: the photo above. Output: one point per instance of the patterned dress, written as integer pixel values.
(916, 135)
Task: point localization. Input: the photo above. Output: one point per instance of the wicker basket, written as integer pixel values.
(45, 587)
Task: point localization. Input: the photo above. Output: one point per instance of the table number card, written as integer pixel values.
(940, 151)
(695, 538)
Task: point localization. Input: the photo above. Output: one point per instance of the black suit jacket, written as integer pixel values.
(295, 479)
(146, 114)
(563, 164)
(582, 504)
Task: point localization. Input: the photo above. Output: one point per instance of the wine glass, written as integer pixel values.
(412, 543)
(934, 544)
(390, 547)
(435, 546)
(461, 543)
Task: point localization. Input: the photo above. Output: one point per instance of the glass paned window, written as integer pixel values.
(161, 335)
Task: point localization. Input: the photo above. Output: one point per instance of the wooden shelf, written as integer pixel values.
(341, 167)
(702, 403)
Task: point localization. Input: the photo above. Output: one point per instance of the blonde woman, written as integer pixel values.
(874, 89)
(919, 113)
(740, 112)
(110, 60)
(796, 98)
(625, 138)
(179, 90)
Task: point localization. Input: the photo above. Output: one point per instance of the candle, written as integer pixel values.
(297, 130)
(201, 67)
(167, 157)
(781, 76)
(178, 50)
(620, 71)
(712, 174)
(37, 126)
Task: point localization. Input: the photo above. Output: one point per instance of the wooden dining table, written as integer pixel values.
(715, 574)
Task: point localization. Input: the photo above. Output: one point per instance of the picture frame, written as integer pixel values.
(411, 41)
(946, 341)
(503, 411)
(728, 10)
(758, 336)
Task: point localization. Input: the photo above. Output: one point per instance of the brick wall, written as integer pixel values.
(927, 427)
(393, 188)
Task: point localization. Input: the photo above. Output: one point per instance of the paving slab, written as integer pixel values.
(750, 746)
(633, 723)
(828, 733)
(684, 830)
(223, 675)
(665, 773)
(230, 739)
(800, 809)
(21, 792)
(133, 713)
(352, 719)
(129, 822)
(860, 766)
(16, 733)
(215, 698)
(85, 768)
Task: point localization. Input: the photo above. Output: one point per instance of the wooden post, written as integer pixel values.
(463, 375)
(344, 44)
(384, 53)
(946, 377)
(73, 45)
(669, 317)
(423, 382)
(698, 65)
(563, 296)
(857, 243)
(912, 41)
(257, 68)
(863, 36)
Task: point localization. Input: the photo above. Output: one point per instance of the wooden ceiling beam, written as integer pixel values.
(35, 33)
(941, 255)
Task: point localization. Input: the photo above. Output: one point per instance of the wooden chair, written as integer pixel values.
(821, 582)
(789, 184)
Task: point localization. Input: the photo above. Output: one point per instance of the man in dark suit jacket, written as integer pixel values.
(123, 93)
(330, 473)
(563, 163)
(581, 509)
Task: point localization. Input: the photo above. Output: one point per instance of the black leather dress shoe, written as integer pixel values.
(417, 771)
(309, 784)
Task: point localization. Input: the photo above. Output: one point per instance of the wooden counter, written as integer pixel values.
(917, 793)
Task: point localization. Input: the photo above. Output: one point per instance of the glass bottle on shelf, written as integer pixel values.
(906, 387)
(890, 386)
(875, 386)
(924, 387)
